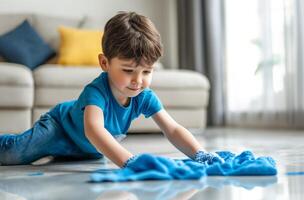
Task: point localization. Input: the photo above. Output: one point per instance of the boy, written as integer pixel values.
(92, 125)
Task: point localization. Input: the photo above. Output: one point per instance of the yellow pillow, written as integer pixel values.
(79, 46)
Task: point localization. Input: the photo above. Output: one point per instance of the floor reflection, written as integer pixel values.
(177, 189)
(151, 189)
(62, 185)
(240, 181)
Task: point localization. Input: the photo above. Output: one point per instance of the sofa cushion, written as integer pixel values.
(10, 21)
(175, 88)
(23, 45)
(47, 27)
(79, 46)
(54, 76)
(15, 74)
(16, 86)
(179, 79)
(181, 88)
(15, 120)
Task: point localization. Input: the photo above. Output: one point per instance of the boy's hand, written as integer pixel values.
(209, 158)
(129, 161)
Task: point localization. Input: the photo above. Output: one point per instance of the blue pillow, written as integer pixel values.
(23, 45)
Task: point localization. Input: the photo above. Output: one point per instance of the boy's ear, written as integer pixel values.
(103, 62)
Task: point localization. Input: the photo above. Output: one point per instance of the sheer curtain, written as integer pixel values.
(264, 63)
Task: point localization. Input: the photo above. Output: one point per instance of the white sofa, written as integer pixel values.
(26, 94)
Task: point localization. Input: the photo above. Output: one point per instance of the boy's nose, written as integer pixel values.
(136, 80)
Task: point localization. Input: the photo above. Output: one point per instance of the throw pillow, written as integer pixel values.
(79, 46)
(24, 46)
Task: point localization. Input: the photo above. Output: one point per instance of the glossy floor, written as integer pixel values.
(69, 180)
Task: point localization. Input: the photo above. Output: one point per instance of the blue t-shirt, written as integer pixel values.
(117, 118)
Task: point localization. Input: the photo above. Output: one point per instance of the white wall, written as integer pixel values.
(161, 12)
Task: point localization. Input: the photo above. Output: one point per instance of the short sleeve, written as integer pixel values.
(151, 104)
(92, 96)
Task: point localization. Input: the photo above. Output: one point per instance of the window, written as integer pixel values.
(255, 56)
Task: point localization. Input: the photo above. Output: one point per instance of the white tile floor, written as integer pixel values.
(69, 180)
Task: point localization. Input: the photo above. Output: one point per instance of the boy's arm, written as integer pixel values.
(101, 138)
(180, 137)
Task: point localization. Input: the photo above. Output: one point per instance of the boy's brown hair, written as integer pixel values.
(129, 35)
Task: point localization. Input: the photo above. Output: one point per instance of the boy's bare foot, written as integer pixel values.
(43, 161)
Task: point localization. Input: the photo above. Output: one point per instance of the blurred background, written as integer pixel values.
(251, 51)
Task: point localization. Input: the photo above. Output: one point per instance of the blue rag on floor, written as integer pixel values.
(151, 167)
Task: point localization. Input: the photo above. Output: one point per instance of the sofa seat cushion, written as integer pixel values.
(15, 120)
(58, 76)
(16, 86)
(174, 87)
(179, 79)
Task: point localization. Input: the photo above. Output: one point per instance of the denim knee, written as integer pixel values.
(8, 155)
(30, 145)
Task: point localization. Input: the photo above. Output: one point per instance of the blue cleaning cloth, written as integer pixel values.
(151, 167)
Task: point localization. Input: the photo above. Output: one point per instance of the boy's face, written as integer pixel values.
(126, 78)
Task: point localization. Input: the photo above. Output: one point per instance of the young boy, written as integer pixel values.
(92, 125)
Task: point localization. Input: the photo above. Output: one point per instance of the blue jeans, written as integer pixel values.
(45, 138)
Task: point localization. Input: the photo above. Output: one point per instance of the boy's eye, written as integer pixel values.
(147, 72)
(128, 70)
